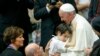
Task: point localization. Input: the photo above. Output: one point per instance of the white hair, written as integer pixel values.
(30, 49)
(30, 52)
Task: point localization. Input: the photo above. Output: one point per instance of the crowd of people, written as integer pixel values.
(68, 28)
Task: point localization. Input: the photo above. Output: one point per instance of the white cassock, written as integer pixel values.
(84, 34)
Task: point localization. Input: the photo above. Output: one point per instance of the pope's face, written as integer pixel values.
(64, 17)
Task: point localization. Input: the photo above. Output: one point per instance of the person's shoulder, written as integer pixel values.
(17, 53)
(10, 51)
(80, 17)
(80, 20)
(54, 41)
(7, 52)
(55, 38)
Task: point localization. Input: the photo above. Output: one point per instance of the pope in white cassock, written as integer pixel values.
(83, 34)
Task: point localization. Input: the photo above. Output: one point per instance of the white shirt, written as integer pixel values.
(56, 46)
(84, 34)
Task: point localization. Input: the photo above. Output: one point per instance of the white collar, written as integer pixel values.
(74, 20)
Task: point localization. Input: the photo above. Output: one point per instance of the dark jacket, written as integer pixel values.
(96, 48)
(49, 20)
(15, 13)
(11, 52)
(92, 9)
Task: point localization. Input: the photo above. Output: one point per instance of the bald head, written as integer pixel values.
(32, 49)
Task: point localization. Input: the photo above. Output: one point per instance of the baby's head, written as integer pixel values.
(63, 31)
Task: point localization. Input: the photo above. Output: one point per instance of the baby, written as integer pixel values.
(61, 41)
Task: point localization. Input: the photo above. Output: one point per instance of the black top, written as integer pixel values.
(15, 13)
(96, 48)
(10, 52)
(92, 9)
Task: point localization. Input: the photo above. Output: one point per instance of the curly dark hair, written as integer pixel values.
(11, 33)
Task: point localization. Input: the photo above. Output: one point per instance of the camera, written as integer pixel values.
(53, 2)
